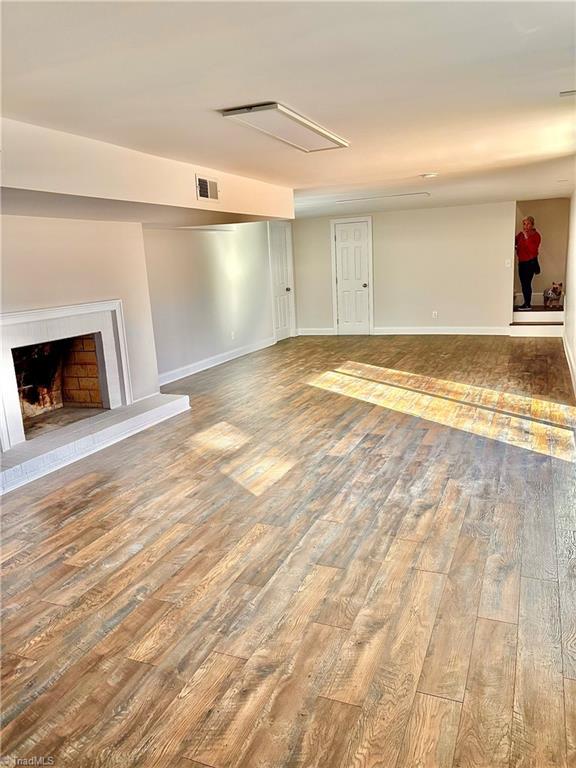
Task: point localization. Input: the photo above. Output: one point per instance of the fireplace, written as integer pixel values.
(47, 357)
(59, 365)
(57, 381)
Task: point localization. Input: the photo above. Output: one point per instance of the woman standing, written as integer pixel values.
(527, 245)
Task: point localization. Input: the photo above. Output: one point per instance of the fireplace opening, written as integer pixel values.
(59, 382)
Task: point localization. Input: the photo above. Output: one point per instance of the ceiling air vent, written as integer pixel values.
(206, 189)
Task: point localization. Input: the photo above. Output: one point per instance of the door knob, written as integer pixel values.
(364, 285)
(288, 290)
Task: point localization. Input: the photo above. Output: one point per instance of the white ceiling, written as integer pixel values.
(468, 89)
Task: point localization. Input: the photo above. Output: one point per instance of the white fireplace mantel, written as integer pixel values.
(20, 329)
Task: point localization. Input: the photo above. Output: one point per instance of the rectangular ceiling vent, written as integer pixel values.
(206, 189)
(282, 123)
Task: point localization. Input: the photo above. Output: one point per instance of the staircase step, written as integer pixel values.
(536, 316)
(537, 329)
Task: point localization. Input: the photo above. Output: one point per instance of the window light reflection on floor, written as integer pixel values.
(258, 474)
(486, 416)
(219, 437)
(518, 405)
(256, 470)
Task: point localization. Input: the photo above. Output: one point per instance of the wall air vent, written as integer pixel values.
(206, 189)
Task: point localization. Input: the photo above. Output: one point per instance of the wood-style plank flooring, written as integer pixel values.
(352, 552)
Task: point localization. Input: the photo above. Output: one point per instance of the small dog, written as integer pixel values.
(553, 295)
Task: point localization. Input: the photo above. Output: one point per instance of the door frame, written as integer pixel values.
(351, 220)
(290, 254)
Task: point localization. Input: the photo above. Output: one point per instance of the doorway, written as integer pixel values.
(352, 275)
(282, 277)
(551, 220)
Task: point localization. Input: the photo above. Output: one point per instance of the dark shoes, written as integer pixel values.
(525, 308)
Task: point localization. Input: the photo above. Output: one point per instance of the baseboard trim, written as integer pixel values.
(316, 332)
(447, 330)
(211, 362)
(571, 363)
(442, 331)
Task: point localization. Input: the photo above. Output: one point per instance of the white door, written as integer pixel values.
(280, 234)
(352, 276)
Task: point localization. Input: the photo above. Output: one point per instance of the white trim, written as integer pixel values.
(468, 330)
(210, 362)
(316, 332)
(428, 330)
(114, 426)
(55, 313)
(349, 220)
(571, 362)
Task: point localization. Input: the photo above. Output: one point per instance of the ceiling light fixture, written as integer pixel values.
(430, 175)
(384, 197)
(288, 126)
(562, 94)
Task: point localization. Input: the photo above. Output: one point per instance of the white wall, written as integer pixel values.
(449, 260)
(55, 262)
(570, 300)
(551, 220)
(210, 294)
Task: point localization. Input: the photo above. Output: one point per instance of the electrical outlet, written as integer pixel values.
(508, 263)
(434, 315)
(232, 335)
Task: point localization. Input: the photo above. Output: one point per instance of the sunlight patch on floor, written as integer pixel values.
(258, 474)
(547, 439)
(517, 405)
(255, 470)
(219, 437)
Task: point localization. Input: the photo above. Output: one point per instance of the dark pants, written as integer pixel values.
(526, 271)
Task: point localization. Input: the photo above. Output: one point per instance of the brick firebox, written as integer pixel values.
(80, 382)
(56, 374)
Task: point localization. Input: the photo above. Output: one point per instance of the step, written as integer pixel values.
(555, 330)
(539, 325)
(538, 316)
(35, 458)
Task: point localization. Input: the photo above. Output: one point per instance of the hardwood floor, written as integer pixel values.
(352, 552)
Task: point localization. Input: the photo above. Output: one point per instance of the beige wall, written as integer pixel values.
(55, 262)
(37, 158)
(448, 260)
(570, 301)
(551, 217)
(312, 273)
(210, 292)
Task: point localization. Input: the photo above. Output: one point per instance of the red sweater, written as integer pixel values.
(527, 247)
